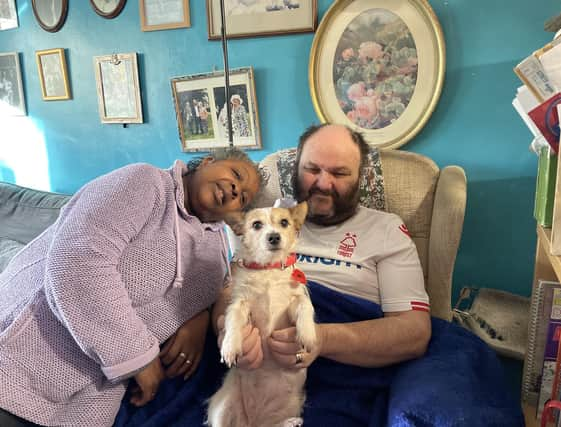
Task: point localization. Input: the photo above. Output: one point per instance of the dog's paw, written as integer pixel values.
(306, 335)
(231, 349)
(293, 422)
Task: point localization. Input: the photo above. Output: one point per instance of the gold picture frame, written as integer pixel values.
(261, 17)
(118, 88)
(378, 67)
(200, 107)
(164, 14)
(53, 74)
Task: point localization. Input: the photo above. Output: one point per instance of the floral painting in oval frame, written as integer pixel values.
(378, 67)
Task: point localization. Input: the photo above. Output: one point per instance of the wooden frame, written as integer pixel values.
(108, 9)
(12, 100)
(200, 108)
(118, 88)
(8, 15)
(378, 67)
(261, 17)
(50, 14)
(53, 75)
(164, 14)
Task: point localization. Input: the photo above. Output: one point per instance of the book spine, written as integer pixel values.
(530, 373)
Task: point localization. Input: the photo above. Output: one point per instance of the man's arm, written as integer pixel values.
(371, 343)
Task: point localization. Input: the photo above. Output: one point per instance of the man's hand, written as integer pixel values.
(147, 383)
(251, 347)
(288, 353)
(182, 352)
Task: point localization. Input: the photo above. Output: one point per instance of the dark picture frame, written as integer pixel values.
(50, 14)
(108, 9)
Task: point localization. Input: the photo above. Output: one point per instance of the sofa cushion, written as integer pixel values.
(8, 248)
(25, 213)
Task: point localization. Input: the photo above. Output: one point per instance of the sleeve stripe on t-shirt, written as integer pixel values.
(419, 305)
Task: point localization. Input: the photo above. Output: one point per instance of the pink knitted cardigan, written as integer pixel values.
(89, 301)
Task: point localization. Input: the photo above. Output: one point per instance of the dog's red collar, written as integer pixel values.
(290, 261)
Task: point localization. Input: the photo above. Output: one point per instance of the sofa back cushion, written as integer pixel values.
(25, 213)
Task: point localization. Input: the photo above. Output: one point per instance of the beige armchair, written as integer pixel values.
(430, 201)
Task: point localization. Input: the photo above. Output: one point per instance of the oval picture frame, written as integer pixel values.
(108, 9)
(378, 67)
(50, 14)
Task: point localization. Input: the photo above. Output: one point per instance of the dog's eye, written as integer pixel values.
(257, 225)
(284, 223)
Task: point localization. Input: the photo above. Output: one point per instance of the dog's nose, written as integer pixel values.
(274, 239)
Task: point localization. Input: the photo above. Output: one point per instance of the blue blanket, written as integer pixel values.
(459, 382)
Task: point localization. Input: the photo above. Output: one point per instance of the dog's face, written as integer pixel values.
(269, 234)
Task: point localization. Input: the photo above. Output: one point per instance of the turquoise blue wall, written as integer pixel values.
(61, 145)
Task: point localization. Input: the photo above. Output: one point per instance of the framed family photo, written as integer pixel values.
(164, 14)
(200, 107)
(118, 88)
(8, 14)
(53, 75)
(249, 18)
(378, 67)
(12, 101)
(108, 9)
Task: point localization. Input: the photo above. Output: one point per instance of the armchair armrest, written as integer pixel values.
(446, 230)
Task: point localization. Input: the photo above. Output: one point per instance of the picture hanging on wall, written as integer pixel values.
(378, 67)
(53, 75)
(108, 9)
(50, 14)
(250, 18)
(8, 14)
(200, 107)
(164, 14)
(12, 101)
(118, 88)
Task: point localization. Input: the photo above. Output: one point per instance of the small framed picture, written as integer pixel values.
(118, 88)
(250, 18)
(53, 75)
(8, 14)
(200, 107)
(12, 101)
(108, 9)
(50, 14)
(164, 14)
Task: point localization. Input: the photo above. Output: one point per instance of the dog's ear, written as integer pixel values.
(299, 213)
(235, 220)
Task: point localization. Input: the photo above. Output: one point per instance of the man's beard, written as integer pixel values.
(343, 207)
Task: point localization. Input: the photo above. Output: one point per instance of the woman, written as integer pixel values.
(240, 119)
(136, 257)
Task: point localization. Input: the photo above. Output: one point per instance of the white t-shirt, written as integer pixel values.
(370, 256)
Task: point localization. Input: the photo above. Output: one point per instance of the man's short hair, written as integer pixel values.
(357, 137)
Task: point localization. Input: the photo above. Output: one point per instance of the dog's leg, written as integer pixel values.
(293, 422)
(237, 316)
(225, 408)
(301, 312)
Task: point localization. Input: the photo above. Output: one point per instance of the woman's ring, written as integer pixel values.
(182, 355)
(298, 358)
(187, 362)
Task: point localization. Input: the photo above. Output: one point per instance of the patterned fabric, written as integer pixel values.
(371, 186)
(90, 300)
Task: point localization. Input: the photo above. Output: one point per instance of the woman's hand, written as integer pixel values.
(182, 352)
(147, 382)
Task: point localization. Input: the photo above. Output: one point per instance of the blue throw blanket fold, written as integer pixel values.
(459, 382)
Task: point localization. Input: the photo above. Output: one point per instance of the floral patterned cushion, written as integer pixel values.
(371, 184)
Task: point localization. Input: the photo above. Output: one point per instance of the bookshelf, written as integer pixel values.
(546, 267)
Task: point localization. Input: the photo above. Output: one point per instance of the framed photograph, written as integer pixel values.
(118, 88)
(12, 101)
(50, 14)
(53, 74)
(108, 8)
(378, 67)
(250, 18)
(8, 14)
(164, 14)
(200, 107)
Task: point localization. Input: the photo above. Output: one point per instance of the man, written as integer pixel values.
(353, 250)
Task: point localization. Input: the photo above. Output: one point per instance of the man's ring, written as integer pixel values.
(182, 355)
(298, 358)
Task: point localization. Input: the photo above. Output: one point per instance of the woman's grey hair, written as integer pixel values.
(232, 153)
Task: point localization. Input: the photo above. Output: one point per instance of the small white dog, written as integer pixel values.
(268, 292)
